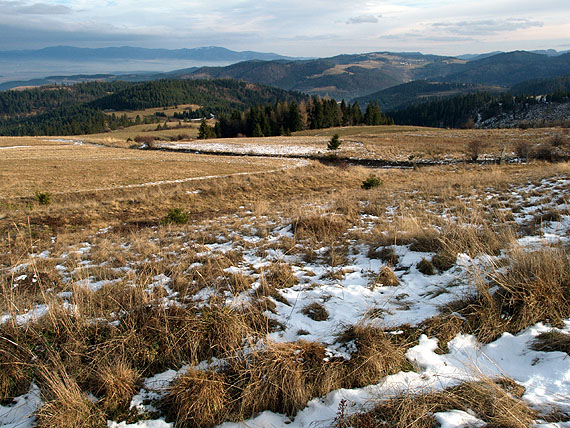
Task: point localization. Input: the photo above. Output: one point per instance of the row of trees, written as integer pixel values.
(466, 110)
(283, 118)
(21, 103)
(71, 120)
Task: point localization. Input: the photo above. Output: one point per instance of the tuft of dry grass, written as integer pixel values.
(221, 331)
(533, 287)
(426, 267)
(280, 275)
(320, 228)
(117, 382)
(16, 369)
(65, 405)
(386, 277)
(283, 377)
(197, 399)
(376, 356)
(552, 341)
(316, 312)
(497, 402)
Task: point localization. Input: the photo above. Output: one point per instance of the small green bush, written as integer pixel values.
(43, 198)
(371, 182)
(176, 215)
(334, 143)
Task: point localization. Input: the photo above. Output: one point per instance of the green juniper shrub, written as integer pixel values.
(370, 182)
(176, 215)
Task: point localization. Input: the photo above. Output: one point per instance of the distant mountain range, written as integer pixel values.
(70, 53)
(343, 76)
(547, 52)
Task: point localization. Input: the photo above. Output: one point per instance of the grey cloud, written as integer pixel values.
(12, 37)
(18, 8)
(489, 26)
(364, 19)
(44, 9)
(428, 38)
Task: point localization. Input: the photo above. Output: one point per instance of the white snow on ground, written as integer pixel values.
(20, 414)
(349, 296)
(245, 148)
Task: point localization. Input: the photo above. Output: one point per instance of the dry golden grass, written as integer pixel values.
(17, 142)
(376, 356)
(283, 377)
(325, 207)
(552, 341)
(198, 399)
(66, 406)
(386, 277)
(532, 287)
(68, 168)
(497, 402)
(416, 143)
(117, 383)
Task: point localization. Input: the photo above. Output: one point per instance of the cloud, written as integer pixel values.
(18, 8)
(364, 19)
(44, 9)
(486, 27)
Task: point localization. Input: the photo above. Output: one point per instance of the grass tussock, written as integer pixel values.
(426, 267)
(65, 405)
(533, 287)
(316, 312)
(320, 228)
(386, 277)
(283, 377)
(552, 341)
(221, 331)
(498, 403)
(16, 370)
(376, 356)
(280, 275)
(117, 383)
(198, 399)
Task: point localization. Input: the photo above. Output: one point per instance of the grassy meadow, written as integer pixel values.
(145, 289)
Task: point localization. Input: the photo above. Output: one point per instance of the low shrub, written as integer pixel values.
(371, 182)
(43, 198)
(177, 216)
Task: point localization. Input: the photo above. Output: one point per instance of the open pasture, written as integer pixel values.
(30, 166)
(436, 296)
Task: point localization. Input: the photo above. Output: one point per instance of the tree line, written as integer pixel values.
(68, 120)
(463, 111)
(284, 117)
(21, 103)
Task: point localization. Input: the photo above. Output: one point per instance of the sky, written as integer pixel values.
(308, 28)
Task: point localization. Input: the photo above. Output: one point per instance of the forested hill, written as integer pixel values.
(419, 91)
(221, 93)
(508, 69)
(543, 86)
(87, 108)
(480, 109)
(39, 100)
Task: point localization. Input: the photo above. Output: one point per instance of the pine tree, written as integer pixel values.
(334, 143)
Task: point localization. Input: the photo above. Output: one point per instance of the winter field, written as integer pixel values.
(148, 289)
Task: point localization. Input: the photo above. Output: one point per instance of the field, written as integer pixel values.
(269, 292)
(64, 167)
(391, 143)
